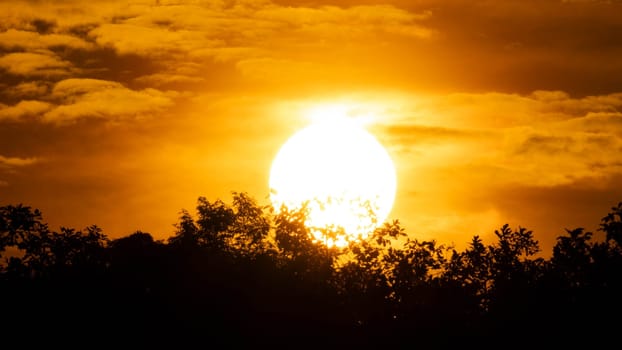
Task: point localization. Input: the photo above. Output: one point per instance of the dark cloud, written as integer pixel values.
(43, 26)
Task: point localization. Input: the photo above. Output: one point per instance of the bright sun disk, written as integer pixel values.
(341, 171)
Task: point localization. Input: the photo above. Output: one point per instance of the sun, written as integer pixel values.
(343, 174)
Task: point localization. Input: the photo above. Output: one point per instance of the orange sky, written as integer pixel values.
(121, 113)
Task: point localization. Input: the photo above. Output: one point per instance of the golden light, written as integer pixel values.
(341, 171)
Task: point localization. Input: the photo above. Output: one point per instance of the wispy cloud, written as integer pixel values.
(546, 138)
(13, 39)
(23, 109)
(92, 98)
(10, 162)
(41, 63)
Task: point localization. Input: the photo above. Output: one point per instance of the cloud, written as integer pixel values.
(545, 138)
(41, 63)
(596, 122)
(151, 41)
(553, 159)
(165, 79)
(92, 98)
(353, 21)
(25, 108)
(501, 46)
(29, 89)
(246, 35)
(27, 40)
(498, 110)
(188, 28)
(413, 133)
(59, 16)
(544, 159)
(69, 88)
(197, 34)
(10, 162)
(8, 165)
(561, 103)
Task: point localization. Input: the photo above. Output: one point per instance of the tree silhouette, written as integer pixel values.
(245, 275)
(472, 271)
(611, 224)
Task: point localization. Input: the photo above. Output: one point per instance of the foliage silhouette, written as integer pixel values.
(246, 275)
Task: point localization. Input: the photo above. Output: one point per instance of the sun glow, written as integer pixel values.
(342, 173)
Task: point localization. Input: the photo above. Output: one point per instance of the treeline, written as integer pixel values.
(244, 275)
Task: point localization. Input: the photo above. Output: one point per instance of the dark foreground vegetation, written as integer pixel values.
(240, 275)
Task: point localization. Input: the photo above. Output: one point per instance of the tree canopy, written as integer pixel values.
(244, 275)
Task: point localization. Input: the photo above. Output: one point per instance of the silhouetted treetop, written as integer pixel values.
(253, 275)
(611, 224)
